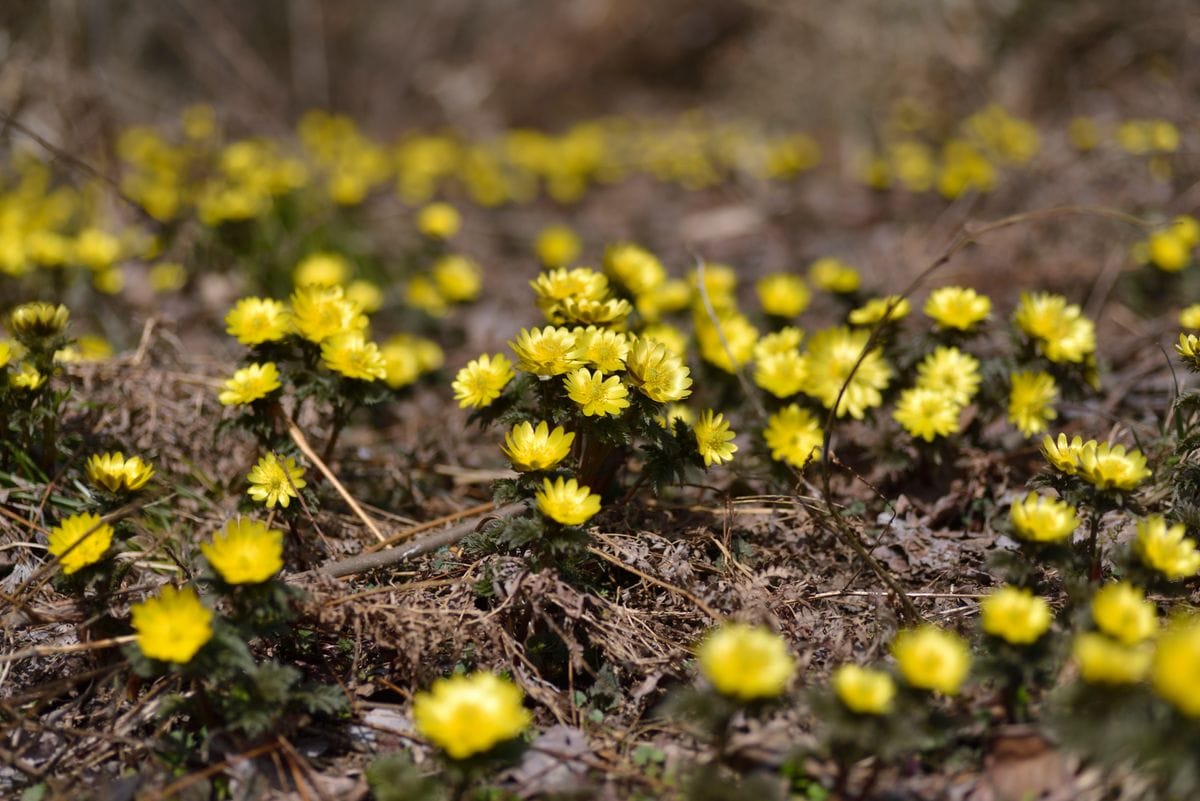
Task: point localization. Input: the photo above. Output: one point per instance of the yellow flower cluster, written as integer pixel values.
(1103, 465)
(1057, 328)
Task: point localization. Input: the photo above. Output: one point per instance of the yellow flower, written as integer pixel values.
(746, 662)
(957, 307)
(832, 355)
(932, 659)
(1189, 348)
(6, 350)
(603, 349)
(566, 502)
(245, 552)
(1190, 316)
(320, 312)
(1168, 251)
(439, 221)
(894, 307)
(713, 438)
(366, 295)
(547, 351)
(557, 246)
(352, 356)
(1060, 330)
(38, 320)
(321, 269)
(785, 340)
(864, 691)
(173, 626)
(482, 380)
(596, 395)
(584, 311)
(781, 374)
(1122, 612)
(530, 448)
(275, 482)
(1176, 669)
(115, 473)
(783, 295)
(1165, 549)
(1102, 660)
(96, 249)
(728, 343)
(80, 540)
(720, 283)
(673, 412)
(551, 288)
(672, 296)
(950, 371)
(458, 278)
(167, 276)
(657, 373)
(1107, 466)
(1038, 518)
(250, 383)
(634, 268)
(794, 436)
(422, 293)
(468, 715)
(927, 413)
(834, 275)
(1030, 401)
(253, 321)
(1063, 455)
(1015, 615)
(26, 378)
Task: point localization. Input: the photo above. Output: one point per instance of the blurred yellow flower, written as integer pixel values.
(746, 662)
(957, 308)
(781, 374)
(927, 413)
(557, 246)
(250, 383)
(634, 267)
(321, 269)
(1165, 549)
(566, 502)
(26, 378)
(458, 278)
(1061, 454)
(173, 626)
(893, 307)
(245, 551)
(834, 275)
(253, 321)
(1015, 615)
(469, 715)
(783, 295)
(352, 356)
(1122, 612)
(1108, 466)
(1102, 660)
(1059, 329)
(930, 658)
(951, 371)
(864, 691)
(1190, 316)
(794, 436)
(1038, 518)
(1176, 667)
(38, 320)
(831, 358)
(1031, 401)
(439, 221)
(320, 312)
(79, 540)
(366, 294)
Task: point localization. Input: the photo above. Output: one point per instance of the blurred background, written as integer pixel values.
(83, 67)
